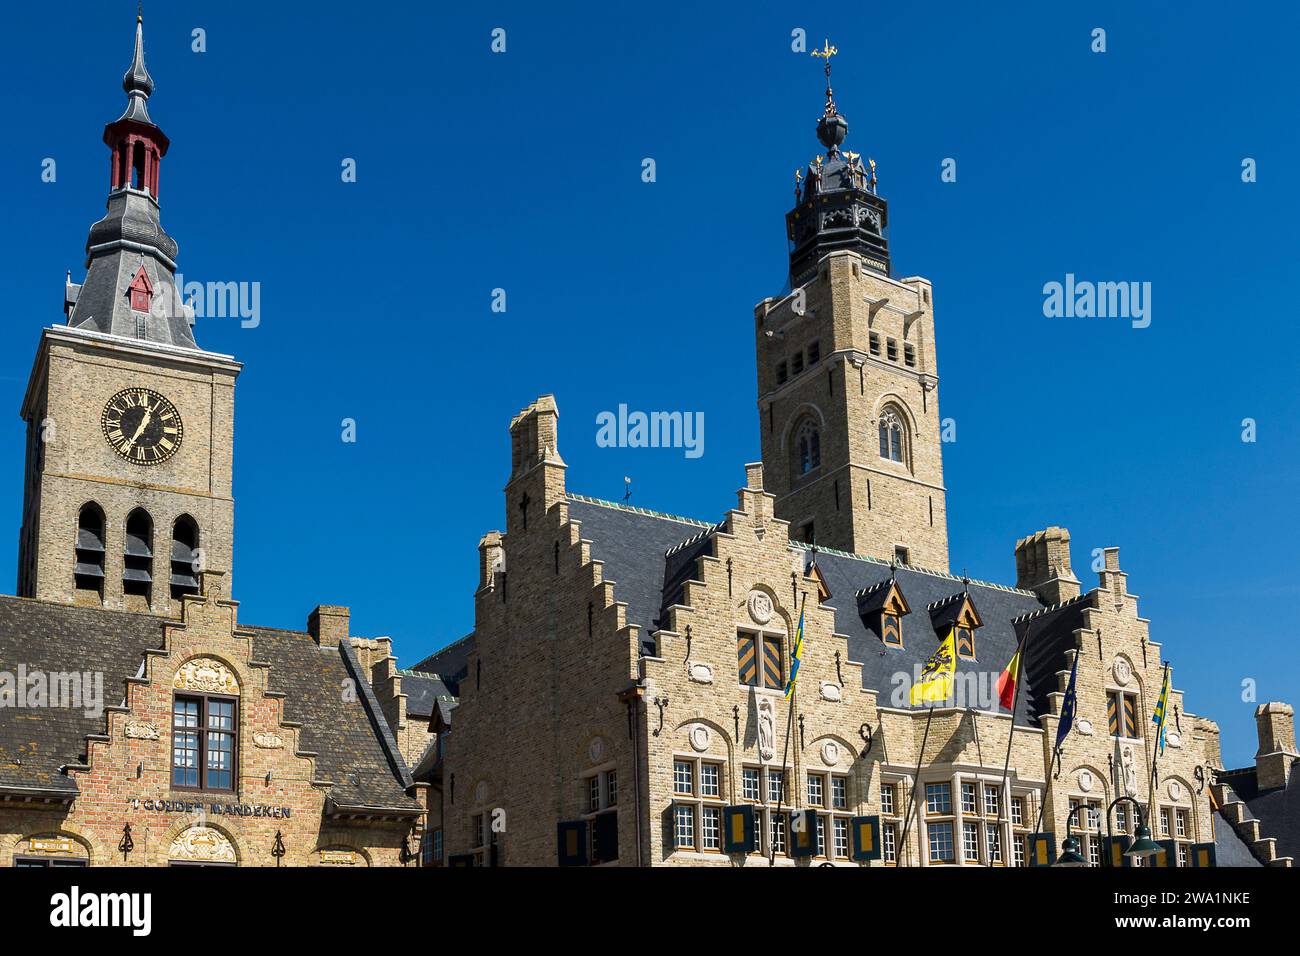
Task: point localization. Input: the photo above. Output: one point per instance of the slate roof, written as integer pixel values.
(424, 691)
(647, 556)
(1230, 849)
(1277, 810)
(450, 665)
(354, 747)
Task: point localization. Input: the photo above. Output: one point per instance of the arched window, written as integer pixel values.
(137, 559)
(185, 557)
(88, 572)
(891, 435)
(808, 447)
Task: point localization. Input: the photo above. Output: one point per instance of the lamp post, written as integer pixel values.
(1142, 846)
(1070, 855)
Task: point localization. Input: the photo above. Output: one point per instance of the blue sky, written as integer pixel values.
(522, 170)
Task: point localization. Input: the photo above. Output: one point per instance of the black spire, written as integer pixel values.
(836, 206)
(130, 287)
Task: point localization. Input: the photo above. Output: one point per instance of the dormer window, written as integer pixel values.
(882, 608)
(141, 291)
(957, 614)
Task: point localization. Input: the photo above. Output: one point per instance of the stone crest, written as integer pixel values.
(139, 730)
(1085, 781)
(1122, 670)
(1175, 790)
(830, 753)
(699, 737)
(267, 740)
(699, 673)
(206, 674)
(202, 844)
(596, 749)
(760, 607)
(480, 791)
(831, 691)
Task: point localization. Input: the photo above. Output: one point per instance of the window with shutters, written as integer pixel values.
(909, 355)
(186, 558)
(697, 805)
(600, 799)
(759, 660)
(829, 795)
(965, 643)
(874, 342)
(765, 789)
(88, 570)
(891, 629)
(1122, 714)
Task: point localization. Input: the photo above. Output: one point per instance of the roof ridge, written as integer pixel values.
(694, 539)
(600, 502)
(1044, 610)
(933, 572)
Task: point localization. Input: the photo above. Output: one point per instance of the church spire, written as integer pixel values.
(130, 288)
(836, 206)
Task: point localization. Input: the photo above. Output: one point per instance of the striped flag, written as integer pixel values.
(1008, 680)
(795, 658)
(1161, 716)
(1068, 705)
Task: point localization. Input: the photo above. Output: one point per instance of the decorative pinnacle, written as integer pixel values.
(832, 127)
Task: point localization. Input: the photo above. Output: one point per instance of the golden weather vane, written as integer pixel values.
(826, 52)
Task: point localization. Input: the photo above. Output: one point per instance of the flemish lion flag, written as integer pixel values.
(1161, 716)
(1008, 680)
(935, 685)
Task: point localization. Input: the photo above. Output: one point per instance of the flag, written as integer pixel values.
(1067, 706)
(1008, 680)
(1161, 716)
(935, 685)
(795, 658)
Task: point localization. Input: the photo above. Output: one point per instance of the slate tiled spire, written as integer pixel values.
(130, 238)
(836, 206)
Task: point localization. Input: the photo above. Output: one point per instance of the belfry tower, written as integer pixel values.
(847, 372)
(127, 492)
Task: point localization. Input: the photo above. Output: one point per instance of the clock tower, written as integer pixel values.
(127, 491)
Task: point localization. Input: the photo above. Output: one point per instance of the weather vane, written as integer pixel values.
(826, 52)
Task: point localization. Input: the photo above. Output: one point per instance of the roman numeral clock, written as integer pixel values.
(142, 426)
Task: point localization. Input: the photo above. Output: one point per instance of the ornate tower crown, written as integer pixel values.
(836, 206)
(130, 287)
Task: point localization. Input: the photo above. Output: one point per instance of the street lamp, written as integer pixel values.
(1070, 855)
(1142, 846)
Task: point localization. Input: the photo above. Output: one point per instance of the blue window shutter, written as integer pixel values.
(866, 838)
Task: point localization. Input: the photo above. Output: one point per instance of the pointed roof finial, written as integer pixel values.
(832, 127)
(137, 78)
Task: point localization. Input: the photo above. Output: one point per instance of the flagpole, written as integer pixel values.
(1004, 796)
(1155, 752)
(916, 783)
(785, 758)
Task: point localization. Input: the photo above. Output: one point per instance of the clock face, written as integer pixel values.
(142, 426)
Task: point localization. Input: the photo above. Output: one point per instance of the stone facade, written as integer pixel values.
(558, 668)
(70, 464)
(864, 344)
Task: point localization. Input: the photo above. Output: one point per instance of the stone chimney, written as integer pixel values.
(1043, 566)
(1277, 750)
(329, 624)
(536, 468)
(491, 559)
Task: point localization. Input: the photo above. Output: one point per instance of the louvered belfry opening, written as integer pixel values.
(185, 557)
(137, 574)
(89, 568)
